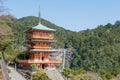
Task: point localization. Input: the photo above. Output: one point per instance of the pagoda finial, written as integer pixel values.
(39, 16)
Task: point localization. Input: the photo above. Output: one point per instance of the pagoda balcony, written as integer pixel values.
(40, 61)
(41, 47)
(42, 37)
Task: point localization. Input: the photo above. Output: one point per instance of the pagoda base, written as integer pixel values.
(39, 64)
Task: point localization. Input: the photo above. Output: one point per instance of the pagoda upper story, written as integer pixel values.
(39, 37)
(41, 32)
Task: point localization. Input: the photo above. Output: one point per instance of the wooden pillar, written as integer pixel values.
(50, 66)
(33, 56)
(40, 65)
(44, 56)
(40, 56)
(54, 65)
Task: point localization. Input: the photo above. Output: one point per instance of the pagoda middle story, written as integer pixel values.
(38, 40)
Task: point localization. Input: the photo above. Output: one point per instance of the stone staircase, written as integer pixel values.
(54, 75)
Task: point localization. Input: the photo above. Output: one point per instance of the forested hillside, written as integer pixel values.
(96, 50)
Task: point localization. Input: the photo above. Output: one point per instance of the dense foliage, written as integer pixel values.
(99, 49)
(94, 50)
(74, 75)
(40, 75)
(5, 37)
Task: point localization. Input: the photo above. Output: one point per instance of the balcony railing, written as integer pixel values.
(39, 61)
(42, 37)
(41, 47)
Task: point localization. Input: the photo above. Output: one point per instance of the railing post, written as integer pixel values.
(15, 66)
(31, 76)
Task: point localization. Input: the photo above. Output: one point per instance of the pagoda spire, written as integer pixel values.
(39, 16)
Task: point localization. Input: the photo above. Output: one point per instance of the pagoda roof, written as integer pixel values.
(44, 40)
(42, 27)
(41, 50)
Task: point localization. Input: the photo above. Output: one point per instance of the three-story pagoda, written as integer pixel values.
(38, 39)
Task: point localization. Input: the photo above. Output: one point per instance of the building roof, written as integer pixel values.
(42, 27)
(44, 40)
(39, 50)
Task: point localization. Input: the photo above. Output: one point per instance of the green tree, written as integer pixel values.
(5, 36)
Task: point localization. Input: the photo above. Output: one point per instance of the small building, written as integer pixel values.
(38, 40)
